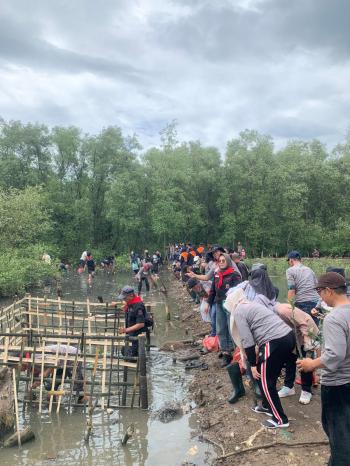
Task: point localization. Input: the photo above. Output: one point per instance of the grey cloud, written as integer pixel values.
(278, 66)
(25, 48)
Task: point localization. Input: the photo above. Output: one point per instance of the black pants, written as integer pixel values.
(272, 356)
(336, 422)
(143, 279)
(306, 377)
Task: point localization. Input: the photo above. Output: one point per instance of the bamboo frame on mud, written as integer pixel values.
(31, 326)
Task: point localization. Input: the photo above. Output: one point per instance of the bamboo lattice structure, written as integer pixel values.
(66, 352)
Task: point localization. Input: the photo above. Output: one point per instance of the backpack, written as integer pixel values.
(149, 320)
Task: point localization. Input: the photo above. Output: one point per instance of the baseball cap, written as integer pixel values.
(336, 269)
(235, 255)
(192, 282)
(125, 292)
(331, 280)
(293, 255)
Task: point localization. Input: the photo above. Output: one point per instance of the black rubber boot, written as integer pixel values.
(254, 383)
(237, 384)
(226, 360)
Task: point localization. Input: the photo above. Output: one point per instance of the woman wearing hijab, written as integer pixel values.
(224, 279)
(259, 287)
(253, 324)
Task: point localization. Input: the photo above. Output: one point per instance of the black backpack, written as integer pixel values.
(149, 320)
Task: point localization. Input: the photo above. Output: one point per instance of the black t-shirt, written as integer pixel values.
(135, 315)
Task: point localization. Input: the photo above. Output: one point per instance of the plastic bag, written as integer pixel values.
(204, 310)
(236, 357)
(211, 344)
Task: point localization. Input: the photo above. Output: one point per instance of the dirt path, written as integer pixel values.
(229, 426)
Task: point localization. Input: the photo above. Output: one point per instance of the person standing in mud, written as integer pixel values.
(146, 256)
(256, 325)
(335, 362)
(135, 262)
(301, 289)
(90, 265)
(224, 279)
(143, 275)
(135, 316)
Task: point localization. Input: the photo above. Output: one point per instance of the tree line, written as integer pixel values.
(74, 191)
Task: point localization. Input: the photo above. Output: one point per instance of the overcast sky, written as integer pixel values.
(216, 66)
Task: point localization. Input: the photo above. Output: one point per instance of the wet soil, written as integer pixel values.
(229, 427)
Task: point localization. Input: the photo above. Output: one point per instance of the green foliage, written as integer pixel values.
(24, 225)
(73, 191)
(24, 218)
(278, 266)
(122, 263)
(21, 269)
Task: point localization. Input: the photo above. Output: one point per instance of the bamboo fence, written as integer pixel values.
(70, 353)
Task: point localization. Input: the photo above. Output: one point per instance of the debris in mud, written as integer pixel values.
(169, 412)
(25, 435)
(128, 434)
(175, 345)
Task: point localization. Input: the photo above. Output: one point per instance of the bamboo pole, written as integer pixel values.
(53, 380)
(89, 318)
(62, 380)
(143, 373)
(104, 366)
(32, 372)
(74, 374)
(91, 406)
(110, 375)
(59, 311)
(42, 374)
(16, 406)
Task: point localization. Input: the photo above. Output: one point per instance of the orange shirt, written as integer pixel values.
(184, 255)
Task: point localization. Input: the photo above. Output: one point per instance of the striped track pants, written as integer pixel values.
(274, 355)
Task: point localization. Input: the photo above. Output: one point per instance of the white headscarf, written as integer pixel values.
(236, 297)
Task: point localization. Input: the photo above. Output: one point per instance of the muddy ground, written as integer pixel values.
(231, 427)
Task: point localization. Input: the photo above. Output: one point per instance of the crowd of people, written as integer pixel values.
(310, 331)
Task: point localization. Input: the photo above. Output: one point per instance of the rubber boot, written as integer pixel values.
(237, 384)
(255, 383)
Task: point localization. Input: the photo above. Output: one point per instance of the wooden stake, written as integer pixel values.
(54, 379)
(62, 378)
(74, 374)
(104, 366)
(42, 374)
(91, 405)
(16, 406)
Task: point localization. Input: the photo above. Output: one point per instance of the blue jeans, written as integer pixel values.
(213, 320)
(223, 329)
(307, 306)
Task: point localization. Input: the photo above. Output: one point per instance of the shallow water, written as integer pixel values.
(60, 437)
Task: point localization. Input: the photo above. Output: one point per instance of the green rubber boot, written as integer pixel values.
(237, 384)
